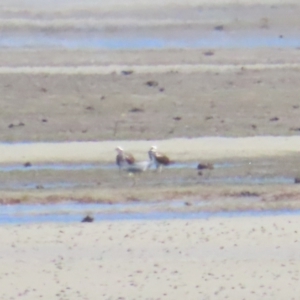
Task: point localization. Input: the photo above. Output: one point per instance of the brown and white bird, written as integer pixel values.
(124, 159)
(159, 159)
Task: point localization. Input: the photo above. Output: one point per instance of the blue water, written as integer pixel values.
(56, 167)
(73, 211)
(92, 41)
(11, 216)
(86, 166)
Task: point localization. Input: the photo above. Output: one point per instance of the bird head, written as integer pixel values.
(119, 149)
(153, 149)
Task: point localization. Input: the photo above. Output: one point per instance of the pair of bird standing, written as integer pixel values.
(127, 160)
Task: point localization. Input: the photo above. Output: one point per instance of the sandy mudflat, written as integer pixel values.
(55, 90)
(234, 104)
(216, 258)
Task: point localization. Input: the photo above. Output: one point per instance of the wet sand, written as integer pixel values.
(85, 106)
(215, 258)
(264, 166)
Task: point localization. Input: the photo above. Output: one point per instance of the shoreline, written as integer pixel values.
(18, 216)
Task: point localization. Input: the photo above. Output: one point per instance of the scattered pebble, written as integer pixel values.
(87, 219)
(126, 72)
(152, 83)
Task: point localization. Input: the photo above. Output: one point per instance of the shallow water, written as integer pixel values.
(81, 208)
(74, 212)
(214, 39)
(56, 167)
(84, 167)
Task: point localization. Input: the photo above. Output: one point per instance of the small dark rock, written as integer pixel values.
(136, 109)
(187, 203)
(102, 97)
(200, 173)
(205, 166)
(297, 180)
(253, 126)
(20, 124)
(219, 28)
(274, 119)
(126, 72)
(87, 219)
(281, 36)
(264, 23)
(208, 53)
(295, 128)
(177, 118)
(248, 194)
(133, 199)
(295, 106)
(152, 83)
(208, 118)
(27, 164)
(89, 108)
(162, 90)
(44, 120)
(39, 187)
(44, 90)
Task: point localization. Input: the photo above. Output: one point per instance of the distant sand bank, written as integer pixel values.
(134, 3)
(179, 149)
(145, 69)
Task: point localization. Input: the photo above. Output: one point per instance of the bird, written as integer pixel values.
(159, 159)
(124, 158)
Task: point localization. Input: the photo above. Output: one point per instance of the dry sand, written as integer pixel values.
(197, 149)
(215, 258)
